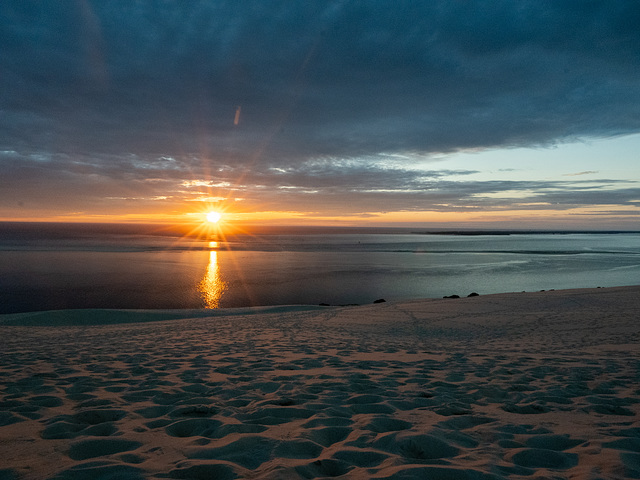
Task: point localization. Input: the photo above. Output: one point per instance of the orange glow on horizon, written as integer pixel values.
(235, 220)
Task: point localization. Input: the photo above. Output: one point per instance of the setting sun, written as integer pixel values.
(213, 217)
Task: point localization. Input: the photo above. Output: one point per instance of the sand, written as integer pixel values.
(520, 386)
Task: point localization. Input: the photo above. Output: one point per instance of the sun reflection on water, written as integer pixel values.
(211, 287)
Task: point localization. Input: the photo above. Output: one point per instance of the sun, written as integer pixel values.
(213, 217)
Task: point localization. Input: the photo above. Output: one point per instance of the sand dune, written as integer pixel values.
(519, 386)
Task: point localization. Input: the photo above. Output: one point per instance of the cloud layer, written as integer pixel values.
(98, 98)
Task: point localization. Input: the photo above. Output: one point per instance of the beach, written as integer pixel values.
(516, 385)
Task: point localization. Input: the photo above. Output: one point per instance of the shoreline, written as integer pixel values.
(105, 316)
(500, 386)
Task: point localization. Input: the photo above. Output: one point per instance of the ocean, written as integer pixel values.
(71, 266)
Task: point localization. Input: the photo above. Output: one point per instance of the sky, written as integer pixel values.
(445, 113)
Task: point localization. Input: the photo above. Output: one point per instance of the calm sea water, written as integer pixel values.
(44, 267)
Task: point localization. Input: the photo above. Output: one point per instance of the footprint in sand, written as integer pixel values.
(361, 458)
(545, 458)
(88, 422)
(92, 448)
(100, 471)
(324, 468)
(218, 471)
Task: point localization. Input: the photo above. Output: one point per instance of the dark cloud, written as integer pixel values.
(131, 91)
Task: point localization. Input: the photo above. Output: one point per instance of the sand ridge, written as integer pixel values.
(522, 386)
